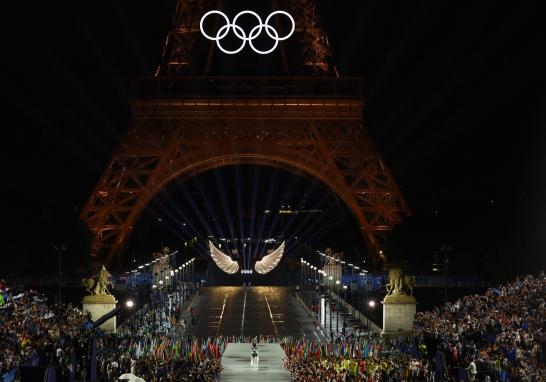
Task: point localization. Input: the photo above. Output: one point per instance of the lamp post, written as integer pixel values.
(315, 281)
(309, 287)
(330, 279)
(366, 300)
(344, 297)
(303, 282)
(306, 280)
(370, 304)
(191, 270)
(180, 272)
(337, 306)
(317, 284)
(301, 273)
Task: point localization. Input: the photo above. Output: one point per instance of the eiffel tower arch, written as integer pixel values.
(308, 121)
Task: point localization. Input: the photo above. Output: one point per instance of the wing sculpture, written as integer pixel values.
(269, 262)
(223, 261)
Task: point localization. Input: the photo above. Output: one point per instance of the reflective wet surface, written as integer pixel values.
(250, 311)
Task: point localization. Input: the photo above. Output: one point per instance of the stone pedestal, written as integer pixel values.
(98, 306)
(398, 315)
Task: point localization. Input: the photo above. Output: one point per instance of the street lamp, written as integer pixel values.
(345, 298)
(304, 282)
(301, 272)
(337, 305)
(192, 270)
(369, 305)
(315, 279)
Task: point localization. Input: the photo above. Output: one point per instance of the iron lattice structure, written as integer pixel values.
(308, 52)
(182, 126)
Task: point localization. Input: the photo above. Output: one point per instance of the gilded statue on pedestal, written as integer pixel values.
(399, 283)
(98, 285)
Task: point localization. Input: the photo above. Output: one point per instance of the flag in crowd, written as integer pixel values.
(349, 348)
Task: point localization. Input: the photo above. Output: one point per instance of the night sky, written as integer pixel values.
(455, 100)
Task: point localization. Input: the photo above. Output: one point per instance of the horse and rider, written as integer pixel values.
(400, 283)
(99, 286)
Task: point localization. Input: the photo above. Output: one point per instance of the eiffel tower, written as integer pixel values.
(306, 119)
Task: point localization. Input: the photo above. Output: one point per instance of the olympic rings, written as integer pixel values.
(255, 32)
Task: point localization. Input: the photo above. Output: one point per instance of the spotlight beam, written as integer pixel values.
(225, 205)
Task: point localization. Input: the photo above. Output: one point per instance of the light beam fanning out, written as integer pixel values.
(223, 261)
(269, 262)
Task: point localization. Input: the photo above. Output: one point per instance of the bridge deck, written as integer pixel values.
(251, 311)
(236, 363)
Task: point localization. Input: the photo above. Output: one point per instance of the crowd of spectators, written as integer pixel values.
(162, 315)
(152, 343)
(32, 332)
(61, 336)
(355, 358)
(501, 332)
(343, 369)
(495, 336)
(151, 369)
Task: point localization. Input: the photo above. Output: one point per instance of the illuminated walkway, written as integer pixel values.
(250, 311)
(236, 364)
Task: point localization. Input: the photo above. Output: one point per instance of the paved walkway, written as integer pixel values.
(236, 363)
(250, 311)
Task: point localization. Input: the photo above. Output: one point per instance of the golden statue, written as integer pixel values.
(100, 301)
(400, 284)
(89, 284)
(99, 286)
(409, 282)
